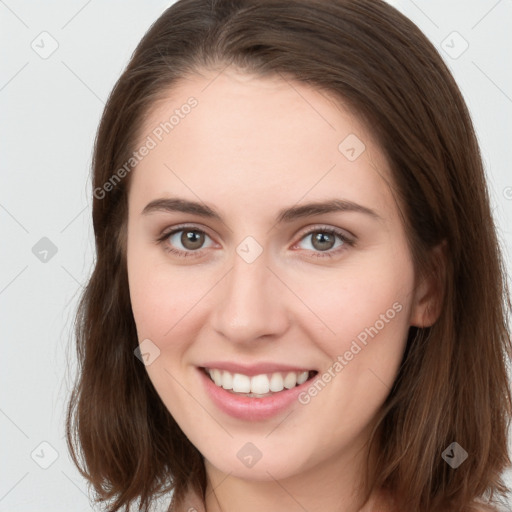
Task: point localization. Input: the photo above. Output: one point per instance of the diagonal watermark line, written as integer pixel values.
(379, 379)
(70, 300)
(13, 279)
(82, 82)
(198, 402)
(198, 301)
(307, 192)
(13, 13)
(73, 219)
(301, 301)
(14, 218)
(75, 15)
(287, 492)
(227, 227)
(14, 76)
(214, 78)
(14, 424)
(280, 423)
(491, 80)
(415, 340)
(424, 14)
(74, 484)
(486, 14)
(14, 486)
(291, 85)
(71, 275)
(218, 485)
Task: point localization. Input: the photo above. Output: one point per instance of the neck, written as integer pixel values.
(328, 486)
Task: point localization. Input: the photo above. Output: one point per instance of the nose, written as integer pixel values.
(250, 302)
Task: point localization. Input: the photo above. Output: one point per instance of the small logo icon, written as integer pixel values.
(44, 455)
(147, 352)
(44, 250)
(351, 147)
(249, 455)
(249, 249)
(455, 455)
(44, 45)
(454, 45)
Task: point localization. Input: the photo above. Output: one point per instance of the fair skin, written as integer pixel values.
(250, 148)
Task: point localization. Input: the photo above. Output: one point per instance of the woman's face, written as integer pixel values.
(261, 286)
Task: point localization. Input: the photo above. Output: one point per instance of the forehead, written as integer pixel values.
(214, 134)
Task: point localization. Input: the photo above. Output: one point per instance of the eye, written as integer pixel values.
(191, 239)
(188, 240)
(323, 241)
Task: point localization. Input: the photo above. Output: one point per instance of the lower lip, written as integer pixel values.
(251, 409)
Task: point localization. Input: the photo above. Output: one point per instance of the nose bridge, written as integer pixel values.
(249, 303)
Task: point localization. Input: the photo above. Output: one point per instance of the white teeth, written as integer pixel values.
(303, 377)
(216, 375)
(227, 380)
(258, 384)
(276, 382)
(241, 383)
(290, 381)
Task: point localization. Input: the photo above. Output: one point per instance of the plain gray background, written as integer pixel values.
(60, 60)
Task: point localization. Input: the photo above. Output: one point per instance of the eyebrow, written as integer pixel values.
(173, 204)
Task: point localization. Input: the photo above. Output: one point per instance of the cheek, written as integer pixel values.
(364, 309)
(159, 300)
(166, 299)
(152, 295)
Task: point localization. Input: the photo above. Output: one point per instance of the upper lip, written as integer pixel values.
(254, 369)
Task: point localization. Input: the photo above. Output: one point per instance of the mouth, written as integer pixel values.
(257, 386)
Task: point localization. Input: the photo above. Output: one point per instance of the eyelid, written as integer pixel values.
(347, 238)
(166, 233)
(182, 227)
(306, 231)
(326, 227)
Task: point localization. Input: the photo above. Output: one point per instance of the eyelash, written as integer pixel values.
(318, 254)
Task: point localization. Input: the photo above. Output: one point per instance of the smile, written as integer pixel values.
(254, 391)
(257, 386)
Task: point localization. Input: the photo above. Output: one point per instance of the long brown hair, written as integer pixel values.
(452, 385)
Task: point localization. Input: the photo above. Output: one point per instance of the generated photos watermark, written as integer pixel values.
(150, 143)
(358, 343)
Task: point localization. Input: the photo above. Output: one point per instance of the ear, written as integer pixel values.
(428, 295)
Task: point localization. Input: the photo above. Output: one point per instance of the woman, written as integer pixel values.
(299, 301)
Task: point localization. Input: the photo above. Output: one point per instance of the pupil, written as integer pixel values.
(197, 239)
(188, 238)
(322, 238)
